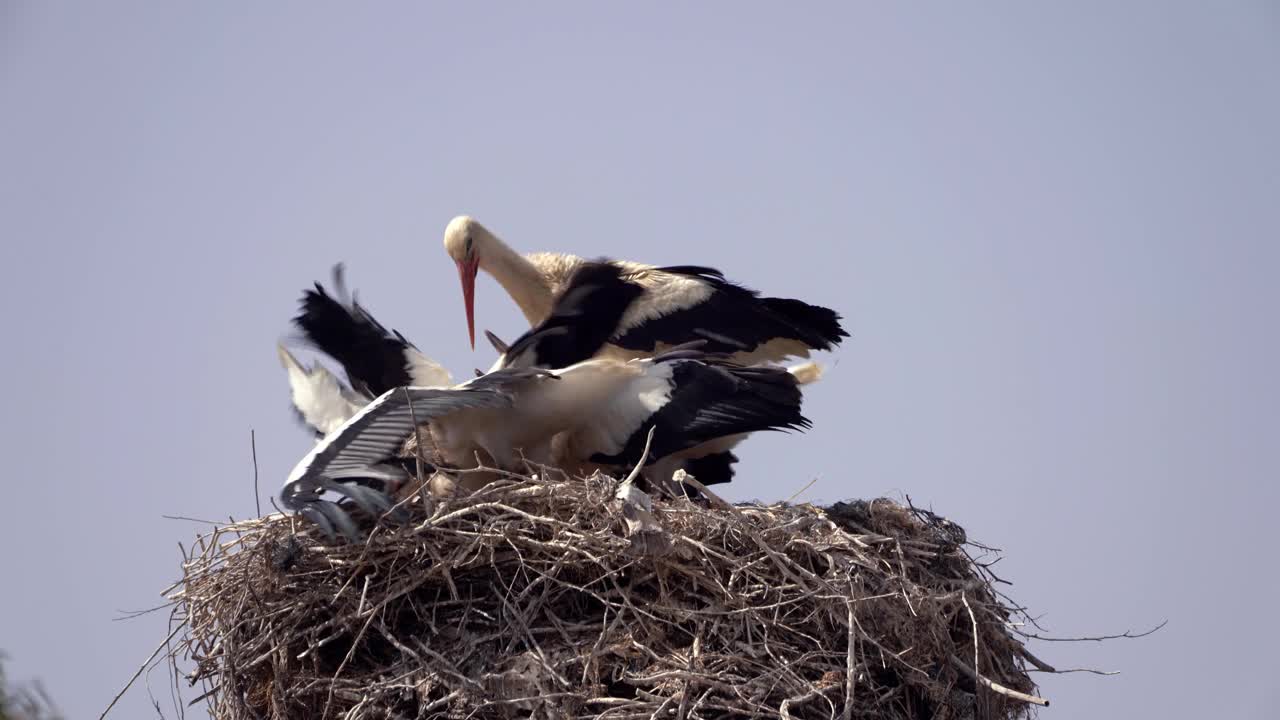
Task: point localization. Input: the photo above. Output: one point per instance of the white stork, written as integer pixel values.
(679, 304)
(595, 413)
(590, 413)
(597, 294)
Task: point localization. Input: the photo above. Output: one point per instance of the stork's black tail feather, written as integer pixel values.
(712, 469)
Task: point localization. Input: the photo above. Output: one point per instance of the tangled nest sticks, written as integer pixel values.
(564, 598)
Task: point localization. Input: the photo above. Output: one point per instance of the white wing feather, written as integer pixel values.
(380, 429)
(317, 394)
(425, 372)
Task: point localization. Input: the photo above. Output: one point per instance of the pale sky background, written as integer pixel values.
(1054, 234)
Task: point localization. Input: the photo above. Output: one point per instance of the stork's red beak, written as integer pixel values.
(467, 272)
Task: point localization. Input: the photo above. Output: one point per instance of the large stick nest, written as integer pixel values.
(546, 598)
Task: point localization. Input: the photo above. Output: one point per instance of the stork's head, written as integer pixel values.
(465, 240)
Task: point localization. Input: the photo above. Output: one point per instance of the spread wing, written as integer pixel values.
(381, 428)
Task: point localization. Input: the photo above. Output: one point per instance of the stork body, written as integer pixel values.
(595, 412)
(592, 413)
(597, 295)
(679, 304)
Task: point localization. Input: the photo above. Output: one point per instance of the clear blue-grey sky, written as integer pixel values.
(1054, 233)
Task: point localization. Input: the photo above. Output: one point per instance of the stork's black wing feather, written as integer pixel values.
(374, 358)
(735, 319)
(711, 400)
(583, 316)
(697, 270)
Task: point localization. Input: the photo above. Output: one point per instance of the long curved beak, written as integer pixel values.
(467, 270)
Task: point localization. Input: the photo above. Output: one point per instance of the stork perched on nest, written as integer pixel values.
(589, 413)
(678, 304)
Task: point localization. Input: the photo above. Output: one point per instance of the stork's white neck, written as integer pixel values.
(520, 278)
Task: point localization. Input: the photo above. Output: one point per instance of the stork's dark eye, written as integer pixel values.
(468, 244)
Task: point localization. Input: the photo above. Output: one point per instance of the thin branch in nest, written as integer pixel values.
(142, 668)
(800, 492)
(257, 494)
(682, 477)
(1126, 635)
(995, 686)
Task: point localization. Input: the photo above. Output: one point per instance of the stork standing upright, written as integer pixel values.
(679, 303)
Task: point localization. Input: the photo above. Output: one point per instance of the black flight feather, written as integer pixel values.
(735, 319)
(583, 316)
(375, 359)
(710, 400)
